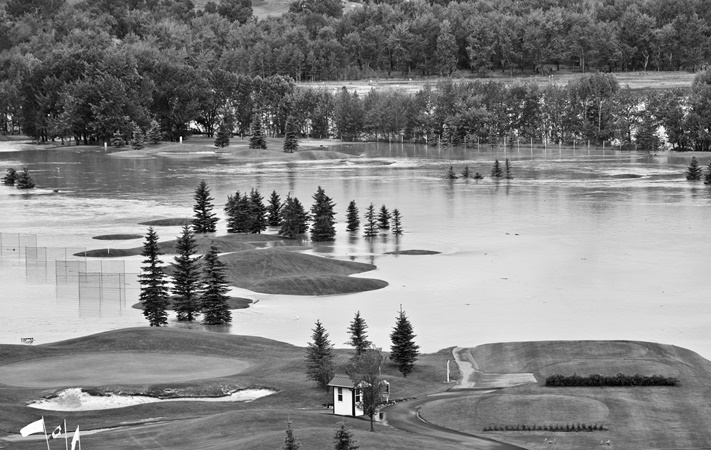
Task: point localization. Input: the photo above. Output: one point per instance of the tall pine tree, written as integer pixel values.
(358, 334)
(371, 224)
(10, 177)
(507, 170)
(352, 216)
(257, 212)
(186, 277)
(256, 140)
(24, 180)
(302, 217)
(137, 138)
(496, 171)
(205, 220)
(322, 228)
(222, 137)
(291, 139)
(154, 134)
(231, 213)
(154, 287)
(290, 222)
(384, 218)
(274, 210)
(397, 222)
(215, 310)
(403, 351)
(319, 357)
(694, 172)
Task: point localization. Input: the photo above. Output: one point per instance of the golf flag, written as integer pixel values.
(76, 439)
(57, 432)
(34, 427)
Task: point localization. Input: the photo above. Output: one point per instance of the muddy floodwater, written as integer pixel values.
(581, 244)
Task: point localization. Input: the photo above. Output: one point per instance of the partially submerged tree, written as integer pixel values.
(384, 218)
(322, 228)
(371, 225)
(154, 287)
(403, 351)
(215, 310)
(450, 175)
(364, 371)
(186, 277)
(397, 222)
(496, 171)
(507, 170)
(274, 210)
(694, 172)
(352, 217)
(257, 212)
(465, 172)
(357, 330)
(343, 439)
(205, 220)
(319, 357)
(24, 180)
(137, 138)
(294, 218)
(10, 178)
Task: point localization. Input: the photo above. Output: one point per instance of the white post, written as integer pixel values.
(447, 371)
(66, 443)
(106, 146)
(181, 139)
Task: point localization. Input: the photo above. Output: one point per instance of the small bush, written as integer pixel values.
(619, 380)
(555, 428)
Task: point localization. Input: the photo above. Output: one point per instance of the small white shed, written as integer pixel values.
(345, 396)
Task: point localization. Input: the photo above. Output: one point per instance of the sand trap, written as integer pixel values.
(76, 400)
(96, 369)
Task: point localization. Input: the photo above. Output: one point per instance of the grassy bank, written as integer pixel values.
(188, 425)
(636, 418)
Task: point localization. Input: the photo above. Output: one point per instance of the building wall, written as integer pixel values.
(346, 406)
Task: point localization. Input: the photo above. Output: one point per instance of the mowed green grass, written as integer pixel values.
(189, 425)
(637, 418)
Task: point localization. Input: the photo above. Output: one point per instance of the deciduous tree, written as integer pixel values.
(364, 371)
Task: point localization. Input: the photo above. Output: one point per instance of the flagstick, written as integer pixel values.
(46, 439)
(66, 444)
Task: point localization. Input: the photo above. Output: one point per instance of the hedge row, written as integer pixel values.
(575, 380)
(568, 427)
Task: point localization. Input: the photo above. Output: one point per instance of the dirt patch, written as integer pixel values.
(117, 368)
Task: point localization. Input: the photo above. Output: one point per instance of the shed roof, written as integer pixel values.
(341, 380)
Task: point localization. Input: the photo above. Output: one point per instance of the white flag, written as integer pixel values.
(75, 439)
(34, 427)
(57, 432)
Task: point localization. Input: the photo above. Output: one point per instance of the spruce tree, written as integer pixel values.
(397, 222)
(707, 177)
(154, 134)
(352, 216)
(10, 178)
(231, 212)
(507, 170)
(274, 210)
(694, 172)
(186, 277)
(302, 217)
(319, 357)
(290, 441)
(322, 228)
(215, 310)
(384, 218)
(289, 219)
(137, 138)
(344, 439)
(256, 140)
(291, 139)
(358, 335)
(117, 139)
(450, 175)
(24, 180)
(371, 224)
(243, 217)
(403, 351)
(222, 137)
(465, 172)
(257, 212)
(478, 176)
(205, 220)
(496, 171)
(154, 287)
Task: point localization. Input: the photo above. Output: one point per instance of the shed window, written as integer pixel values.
(340, 394)
(357, 395)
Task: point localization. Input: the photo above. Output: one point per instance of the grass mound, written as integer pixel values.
(174, 222)
(117, 237)
(276, 271)
(413, 252)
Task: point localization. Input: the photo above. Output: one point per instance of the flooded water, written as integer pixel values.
(581, 244)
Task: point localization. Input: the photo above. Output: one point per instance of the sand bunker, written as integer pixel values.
(96, 369)
(76, 400)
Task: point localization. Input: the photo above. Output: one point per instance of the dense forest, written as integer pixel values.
(94, 68)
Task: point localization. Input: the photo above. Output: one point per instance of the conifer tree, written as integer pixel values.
(290, 222)
(290, 441)
(496, 171)
(707, 177)
(319, 357)
(10, 178)
(358, 334)
(257, 212)
(397, 222)
(450, 175)
(384, 218)
(344, 439)
(186, 277)
(153, 134)
(302, 216)
(403, 350)
(256, 140)
(24, 180)
(215, 310)
(137, 138)
(117, 139)
(465, 172)
(507, 170)
(322, 228)
(478, 176)
(222, 137)
(205, 220)
(371, 224)
(352, 216)
(291, 139)
(694, 172)
(274, 210)
(231, 212)
(154, 287)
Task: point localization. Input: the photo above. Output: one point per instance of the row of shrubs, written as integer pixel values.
(575, 380)
(568, 427)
